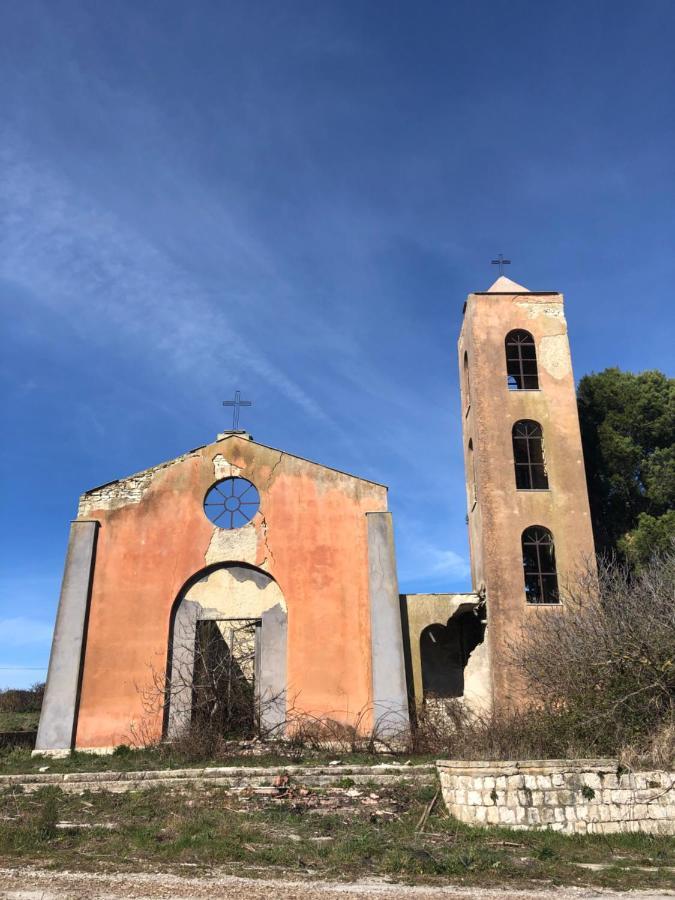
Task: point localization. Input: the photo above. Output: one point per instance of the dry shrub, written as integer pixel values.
(200, 741)
(656, 750)
(602, 668)
(323, 733)
(449, 730)
(601, 676)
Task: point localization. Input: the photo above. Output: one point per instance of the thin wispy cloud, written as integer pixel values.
(105, 278)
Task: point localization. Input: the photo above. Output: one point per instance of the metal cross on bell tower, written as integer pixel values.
(237, 403)
(501, 262)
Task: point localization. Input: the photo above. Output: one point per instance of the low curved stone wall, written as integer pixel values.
(572, 796)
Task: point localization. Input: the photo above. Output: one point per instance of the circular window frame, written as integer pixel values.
(224, 499)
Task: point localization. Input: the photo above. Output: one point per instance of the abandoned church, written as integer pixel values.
(234, 557)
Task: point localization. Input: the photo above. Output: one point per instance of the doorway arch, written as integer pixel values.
(228, 593)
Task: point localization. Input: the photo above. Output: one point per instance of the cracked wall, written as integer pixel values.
(309, 534)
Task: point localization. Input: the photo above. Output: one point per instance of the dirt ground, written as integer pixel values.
(36, 884)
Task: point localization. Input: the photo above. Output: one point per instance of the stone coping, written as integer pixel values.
(516, 766)
(212, 772)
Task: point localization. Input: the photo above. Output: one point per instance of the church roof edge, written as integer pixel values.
(220, 440)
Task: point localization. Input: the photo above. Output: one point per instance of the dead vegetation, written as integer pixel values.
(286, 830)
(601, 677)
(604, 671)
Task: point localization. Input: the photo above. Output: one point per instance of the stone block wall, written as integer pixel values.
(591, 796)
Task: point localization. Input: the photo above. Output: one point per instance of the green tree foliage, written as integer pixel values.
(628, 434)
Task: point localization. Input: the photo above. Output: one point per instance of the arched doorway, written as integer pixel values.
(227, 652)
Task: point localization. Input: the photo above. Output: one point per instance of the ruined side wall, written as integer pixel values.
(309, 535)
(500, 513)
(572, 796)
(420, 610)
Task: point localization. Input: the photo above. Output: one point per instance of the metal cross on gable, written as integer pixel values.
(237, 403)
(501, 262)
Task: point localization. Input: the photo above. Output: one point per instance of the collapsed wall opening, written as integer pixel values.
(445, 651)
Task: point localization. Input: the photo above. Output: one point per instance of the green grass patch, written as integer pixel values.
(19, 721)
(125, 759)
(325, 833)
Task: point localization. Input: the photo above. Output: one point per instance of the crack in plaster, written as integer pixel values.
(263, 521)
(263, 529)
(273, 469)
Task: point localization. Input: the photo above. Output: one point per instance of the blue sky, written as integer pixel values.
(294, 199)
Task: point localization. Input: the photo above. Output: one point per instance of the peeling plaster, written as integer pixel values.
(233, 545)
(554, 356)
(477, 680)
(536, 310)
(234, 593)
(223, 468)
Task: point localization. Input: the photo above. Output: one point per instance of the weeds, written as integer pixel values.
(335, 835)
(48, 815)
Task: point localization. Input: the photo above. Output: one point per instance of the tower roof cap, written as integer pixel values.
(504, 285)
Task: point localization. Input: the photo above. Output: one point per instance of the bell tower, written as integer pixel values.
(527, 502)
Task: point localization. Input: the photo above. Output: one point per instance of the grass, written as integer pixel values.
(332, 833)
(19, 721)
(19, 760)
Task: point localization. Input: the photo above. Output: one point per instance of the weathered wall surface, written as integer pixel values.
(234, 592)
(310, 535)
(420, 610)
(572, 796)
(498, 512)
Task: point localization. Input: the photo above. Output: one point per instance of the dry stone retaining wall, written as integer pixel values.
(572, 796)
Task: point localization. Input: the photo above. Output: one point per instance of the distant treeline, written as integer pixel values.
(14, 700)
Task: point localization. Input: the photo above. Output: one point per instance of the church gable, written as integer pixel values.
(224, 455)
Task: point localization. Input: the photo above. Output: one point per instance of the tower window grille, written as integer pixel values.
(521, 362)
(528, 456)
(541, 578)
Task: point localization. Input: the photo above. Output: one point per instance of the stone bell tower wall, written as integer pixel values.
(498, 512)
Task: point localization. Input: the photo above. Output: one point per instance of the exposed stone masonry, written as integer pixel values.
(572, 796)
(125, 490)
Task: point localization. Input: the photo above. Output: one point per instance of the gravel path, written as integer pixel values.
(36, 884)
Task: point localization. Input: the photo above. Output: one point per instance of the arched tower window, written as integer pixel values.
(528, 456)
(467, 383)
(521, 361)
(541, 579)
